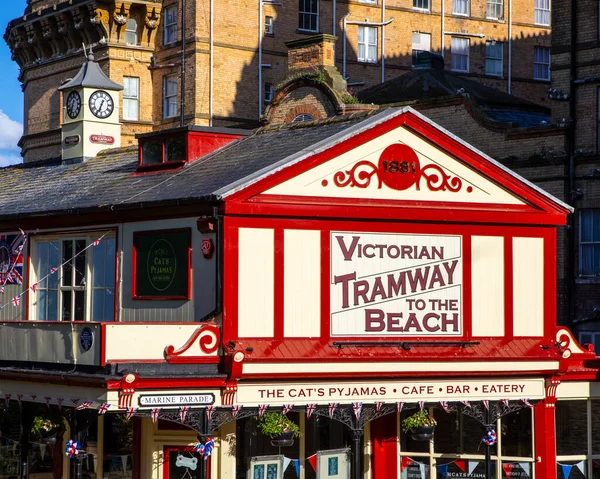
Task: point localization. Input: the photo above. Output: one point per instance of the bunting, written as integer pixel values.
(286, 408)
(235, 410)
(405, 462)
(399, 406)
(59, 401)
(47, 399)
(310, 408)
(183, 410)
(7, 401)
(209, 412)
(20, 399)
(103, 408)
(526, 402)
(154, 414)
(467, 404)
(421, 405)
(504, 401)
(312, 460)
(332, 408)
(357, 408)
(486, 404)
(262, 408)
(378, 405)
(445, 406)
(84, 405)
(130, 412)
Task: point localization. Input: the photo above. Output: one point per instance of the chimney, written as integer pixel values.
(314, 51)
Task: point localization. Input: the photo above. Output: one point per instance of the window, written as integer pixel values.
(303, 117)
(590, 337)
(131, 37)
(268, 25)
(131, 98)
(541, 63)
(74, 278)
(589, 242)
(421, 4)
(495, 9)
(460, 54)
(163, 152)
(308, 15)
(170, 29)
(367, 44)
(421, 42)
(170, 96)
(542, 12)
(268, 92)
(460, 7)
(493, 58)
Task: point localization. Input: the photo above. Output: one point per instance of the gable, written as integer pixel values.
(398, 166)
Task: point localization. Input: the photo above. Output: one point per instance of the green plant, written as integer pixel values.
(349, 99)
(273, 424)
(314, 73)
(418, 419)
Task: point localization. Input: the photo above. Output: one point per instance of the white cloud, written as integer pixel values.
(10, 132)
(8, 158)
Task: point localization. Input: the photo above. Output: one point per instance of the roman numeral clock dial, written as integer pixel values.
(73, 104)
(101, 104)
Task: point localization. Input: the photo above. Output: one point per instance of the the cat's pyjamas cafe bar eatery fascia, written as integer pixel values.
(386, 287)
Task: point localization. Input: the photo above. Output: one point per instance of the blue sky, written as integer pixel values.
(11, 97)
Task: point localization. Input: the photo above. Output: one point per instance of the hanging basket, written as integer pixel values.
(423, 433)
(286, 439)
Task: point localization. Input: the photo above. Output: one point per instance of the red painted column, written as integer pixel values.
(384, 462)
(545, 438)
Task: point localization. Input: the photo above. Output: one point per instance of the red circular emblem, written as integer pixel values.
(399, 167)
(207, 247)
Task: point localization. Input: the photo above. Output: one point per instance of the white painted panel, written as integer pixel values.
(487, 290)
(256, 279)
(302, 283)
(528, 286)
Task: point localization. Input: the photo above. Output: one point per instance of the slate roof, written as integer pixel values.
(90, 75)
(109, 181)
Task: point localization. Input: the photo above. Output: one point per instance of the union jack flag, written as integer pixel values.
(310, 408)
(59, 401)
(445, 406)
(486, 404)
(262, 408)
(130, 412)
(96, 242)
(235, 410)
(103, 408)
(332, 408)
(399, 406)
(378, 405)
(286, 408)
(47, 398)
(11, 258)
(466, 404)
(7, 400)
(16, 301)
(526, 402)
(75, 401)
(183, 410)
(357, 408)
(154, 414)
(84, 405)
(2, 290)
(20, 399)
(505, 402)
(209, 412)
(34, 287)
(33, 397)
(421, 405)
(53, 270)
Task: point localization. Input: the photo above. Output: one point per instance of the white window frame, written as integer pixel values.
(420, 45)
(541, 66)
(131, 97)
(268, 25)
(593, 215)
(304, 15)
(541, 12)
(369, 47)
(169, 98)
(461, 7)
(494, 9)
(48, 283)
(269, 91)
(422, 5)
(458, 54)
(494, 60)
(170, 25)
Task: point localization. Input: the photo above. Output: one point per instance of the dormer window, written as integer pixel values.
(174, 147)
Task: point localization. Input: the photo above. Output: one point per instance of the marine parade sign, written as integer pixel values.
(396, 284)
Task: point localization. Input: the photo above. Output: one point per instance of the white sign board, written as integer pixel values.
(163, 400)
(333, 464)
(385, 284)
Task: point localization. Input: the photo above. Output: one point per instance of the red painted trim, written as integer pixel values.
(103, 344)
(134, 295)
(545, 443)
(231, 275)
(550, 283)
(467, 288)
(28, 278)
(279, 283)
(193, 360)
(170, 383)
(508, 287)
(325, 285)
(117, 289)
(384, 460)
(167, 450)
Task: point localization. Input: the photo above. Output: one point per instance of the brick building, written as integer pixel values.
(236, 55)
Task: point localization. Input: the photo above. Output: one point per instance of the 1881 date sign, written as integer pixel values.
(396, 284)
(162, 265)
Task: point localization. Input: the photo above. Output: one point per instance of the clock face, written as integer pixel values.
(101, 104)
(73, 104)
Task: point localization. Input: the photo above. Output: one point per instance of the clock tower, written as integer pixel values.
(90, 113)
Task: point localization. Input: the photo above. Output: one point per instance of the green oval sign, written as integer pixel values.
(161, 265)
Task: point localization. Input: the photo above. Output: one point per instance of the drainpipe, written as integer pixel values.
(443, 27)
(211, 64)
(182, 102)
(333, 15)
(509, 47)
(260, 46)
(345, 22)
(382, 41)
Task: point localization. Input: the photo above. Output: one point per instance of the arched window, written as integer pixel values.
(303, 117)
(131, 37)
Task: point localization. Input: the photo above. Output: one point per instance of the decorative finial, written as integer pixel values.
(91, 55)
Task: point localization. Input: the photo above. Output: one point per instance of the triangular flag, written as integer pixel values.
(566, 470)
(421, 405)
(209, 412)
(130, 412)
(504, 401)
(378, 405)
(286, 463)
(7, 400)
(443, 470)
(526, 402)
(96, 243)
(183, 410)
(445, 406)
(297, 464)
(399, 406)
(460, 464)
(507, 467)
(43, 450)
(286, 408)
(357, 408)
(486, 404)
(20, 399)
(580, 467)
(262, 408)
(312, 460)
(124, 463)
(103, 408)
(47, 398)
(235, 410)
(527, 468)
(16, 301)
(154, 414)
(332, 407)
(405, 462)
(34, 287)
(467, 404)
(310, 408)
(423, 470)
